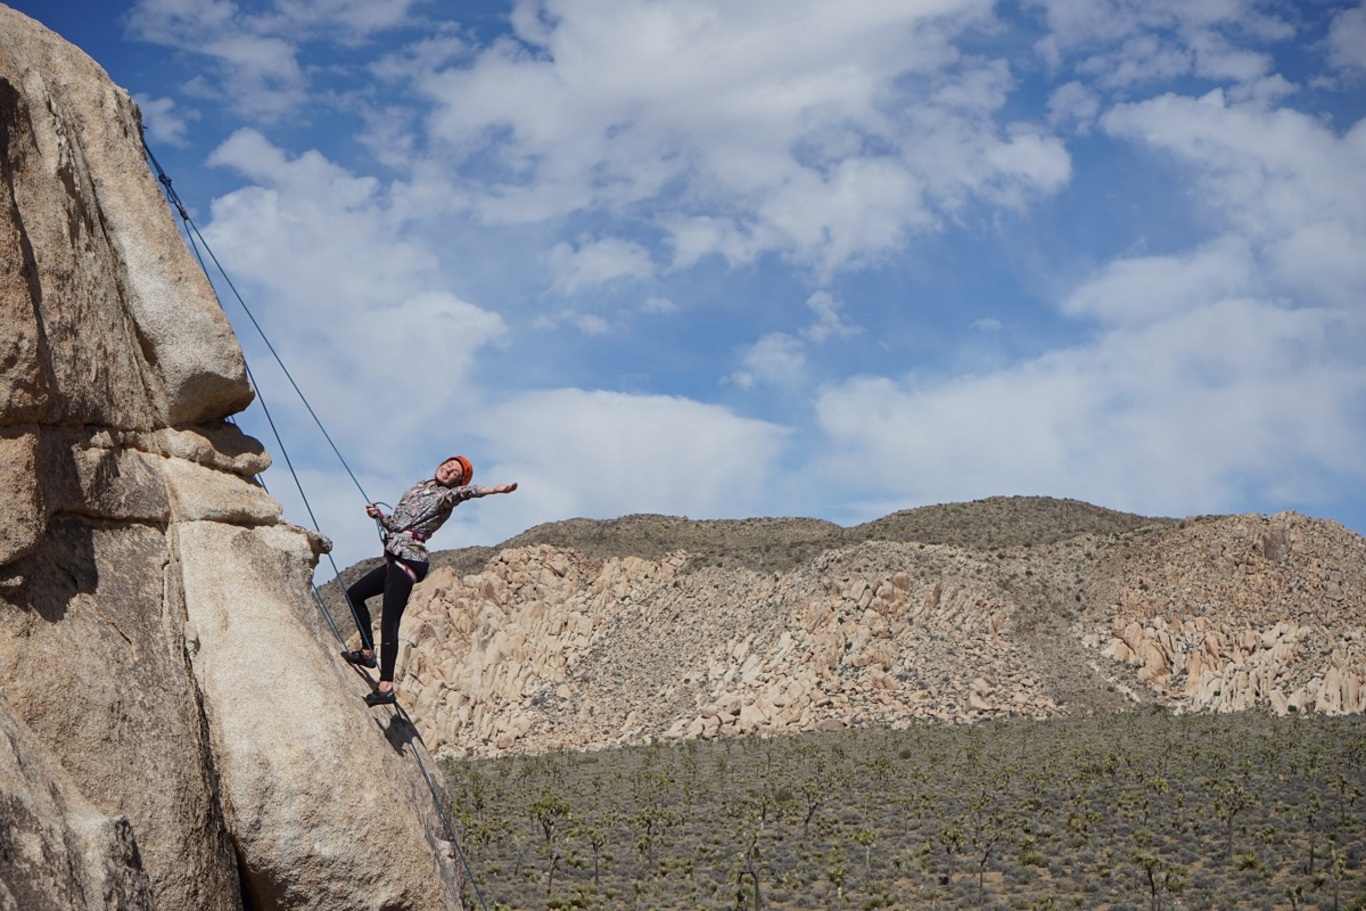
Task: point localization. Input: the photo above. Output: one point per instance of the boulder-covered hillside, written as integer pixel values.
(586, 634)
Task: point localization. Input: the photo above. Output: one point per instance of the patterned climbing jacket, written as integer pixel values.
(421, 511)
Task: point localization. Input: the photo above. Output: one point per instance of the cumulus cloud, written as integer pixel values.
(1282, 179)
(776, 359)
(260, 74)
(165, 124)
(257, 52)
(584, 164)
(741, 130)
(310, 231)
(586, 323)
(1217, 375)
(1123, 43)
(1143, 290)
(1073, 103)
(779, 359)
(657, 304)
(351, 298)
(830, 321)
(1347, 39)
(596, 261)
(1189, 414)
(602, 454)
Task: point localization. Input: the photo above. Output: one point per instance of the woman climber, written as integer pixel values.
(421, 511)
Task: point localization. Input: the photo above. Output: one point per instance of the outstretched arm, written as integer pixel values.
(457, 495)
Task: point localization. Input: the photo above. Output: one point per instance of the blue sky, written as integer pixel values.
(781, 257)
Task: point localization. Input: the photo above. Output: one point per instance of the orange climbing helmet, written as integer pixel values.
(466, 469)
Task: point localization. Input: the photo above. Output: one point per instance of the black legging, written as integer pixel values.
(396, 585)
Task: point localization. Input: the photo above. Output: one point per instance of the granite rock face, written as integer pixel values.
(60, 852)
(172, 733)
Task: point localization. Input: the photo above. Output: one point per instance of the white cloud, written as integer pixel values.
(656, 304)
(776, 359)
(1073, 103)
(1273, 167)
(1129, 42)
(1077, 23)
(606, 147)
(353, 20)
(780, 359)
(1282, 179)
(426, 343)
(1143, 290)
(1194, 413)
(167, 21)
(350, 295)
(824, 134)
(1219, 375)
(164, 124)
(592, 262)
(1324, 260)
(323, 239)
(257, 52)
(604, 454)
(573, 453)
(695, 237)
(1217, 58)
(1144, 58)
(830, 321)
(1347, 39)
(260, 74)
(586, 323)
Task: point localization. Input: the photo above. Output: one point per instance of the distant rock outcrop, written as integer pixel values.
(653, 627)
(172, 736)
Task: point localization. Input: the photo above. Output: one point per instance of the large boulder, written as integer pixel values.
(172, 734)
(60, 852)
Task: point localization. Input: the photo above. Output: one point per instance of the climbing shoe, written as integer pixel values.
(380, 698)
(357, 656)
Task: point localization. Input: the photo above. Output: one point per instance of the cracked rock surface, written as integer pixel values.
(172, 733)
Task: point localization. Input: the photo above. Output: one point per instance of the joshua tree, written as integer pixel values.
(950, 837)
(1230, 799)
(984, 836)
(818, 788)
(550, 812)
(1160, 877)
(1336, 871)
(596, 835)
(866, 838)
(837, 872)
(751, 868)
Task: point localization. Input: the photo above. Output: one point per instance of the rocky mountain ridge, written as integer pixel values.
(588, 634)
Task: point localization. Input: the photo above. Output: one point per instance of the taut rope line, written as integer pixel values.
(192, 233)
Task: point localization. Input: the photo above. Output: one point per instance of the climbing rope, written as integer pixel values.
(196, 239)
(445, 819)
(174, 199)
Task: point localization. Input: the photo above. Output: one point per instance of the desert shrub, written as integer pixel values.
(1075, 797)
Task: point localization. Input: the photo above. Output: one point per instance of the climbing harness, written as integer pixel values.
(196, 239)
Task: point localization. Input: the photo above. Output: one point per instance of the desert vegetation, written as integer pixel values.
(1128, 812)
